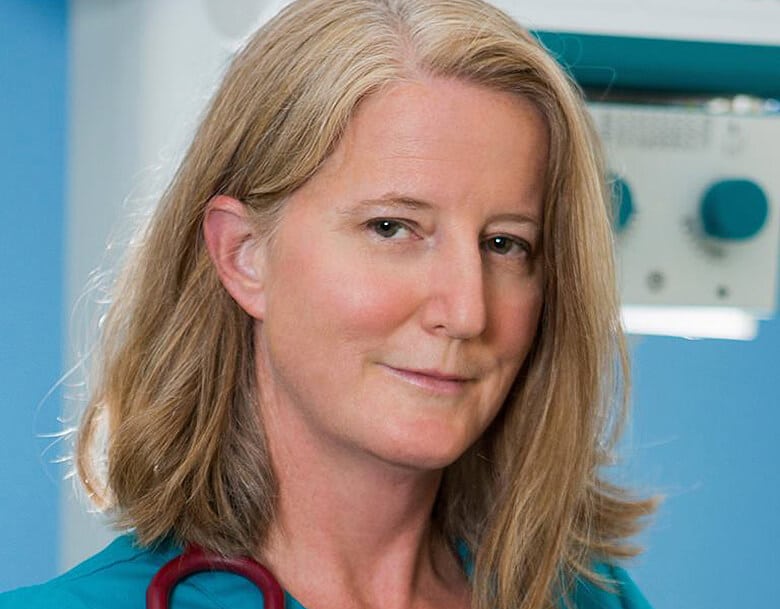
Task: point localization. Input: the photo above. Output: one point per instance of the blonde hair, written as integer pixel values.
(186, 455)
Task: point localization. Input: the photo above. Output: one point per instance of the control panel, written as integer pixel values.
(696, 201)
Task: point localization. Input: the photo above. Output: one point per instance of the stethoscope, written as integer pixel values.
(196, 560)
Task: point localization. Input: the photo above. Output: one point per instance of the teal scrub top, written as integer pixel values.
(117, 577)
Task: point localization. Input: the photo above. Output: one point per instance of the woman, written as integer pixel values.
(369, 336)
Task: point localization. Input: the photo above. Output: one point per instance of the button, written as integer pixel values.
(734, 209)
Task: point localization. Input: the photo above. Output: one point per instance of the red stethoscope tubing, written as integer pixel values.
(196, 560)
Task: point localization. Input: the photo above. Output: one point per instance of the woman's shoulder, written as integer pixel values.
(118, 576)
(115, 577)
(624, 593)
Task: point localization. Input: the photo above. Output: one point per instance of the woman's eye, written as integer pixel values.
(507, 246)
(387, 228)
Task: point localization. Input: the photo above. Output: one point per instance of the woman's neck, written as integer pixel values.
(353, 531)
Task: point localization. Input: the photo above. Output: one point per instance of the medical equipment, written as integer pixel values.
(196, 560)
(698, 211)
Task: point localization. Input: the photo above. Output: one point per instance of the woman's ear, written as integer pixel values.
(236, 252)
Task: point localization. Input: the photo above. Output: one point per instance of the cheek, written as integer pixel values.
(339, 298)
(515, 321)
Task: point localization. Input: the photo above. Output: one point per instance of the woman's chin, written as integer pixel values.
(422, 452)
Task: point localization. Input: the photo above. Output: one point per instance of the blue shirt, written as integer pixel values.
(117, 578)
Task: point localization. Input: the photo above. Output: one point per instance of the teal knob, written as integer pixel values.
(734, 209)
(622, 203)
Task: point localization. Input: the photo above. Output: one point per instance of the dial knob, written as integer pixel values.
(622, 203)
(734, 209)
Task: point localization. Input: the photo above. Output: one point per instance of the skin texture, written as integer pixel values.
(395, 304)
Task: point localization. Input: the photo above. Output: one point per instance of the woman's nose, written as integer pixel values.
(455, 294)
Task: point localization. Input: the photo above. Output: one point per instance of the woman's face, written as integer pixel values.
(403, 287)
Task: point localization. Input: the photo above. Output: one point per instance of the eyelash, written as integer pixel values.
(395, 225)
(514, 242)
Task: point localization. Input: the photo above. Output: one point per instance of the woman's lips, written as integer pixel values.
(431, 380)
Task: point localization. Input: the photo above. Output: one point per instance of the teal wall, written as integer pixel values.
(679, 66)
(33, 64)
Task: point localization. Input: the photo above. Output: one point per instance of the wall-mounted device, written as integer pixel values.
(696, 190)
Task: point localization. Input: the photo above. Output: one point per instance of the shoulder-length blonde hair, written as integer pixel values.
(186, 455)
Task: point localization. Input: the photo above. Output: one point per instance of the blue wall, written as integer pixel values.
(707, 434)
(33, 63)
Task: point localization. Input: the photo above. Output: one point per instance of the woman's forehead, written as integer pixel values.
(438, 125)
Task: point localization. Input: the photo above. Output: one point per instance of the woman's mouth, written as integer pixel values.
(434, 381)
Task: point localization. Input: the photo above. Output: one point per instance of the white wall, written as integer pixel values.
(141, 72)
(743, 21)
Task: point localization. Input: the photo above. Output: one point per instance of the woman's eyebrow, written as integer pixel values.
(516, 217)
(396, 200)
(388, 201)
